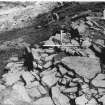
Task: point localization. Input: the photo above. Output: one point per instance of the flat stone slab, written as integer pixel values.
(83, 66)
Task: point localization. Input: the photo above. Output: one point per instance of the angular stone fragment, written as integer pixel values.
(35, 53)
(50, 50)
(102, 99)
(44, 55)
(72, 84)
(9, 65)
(82, 28)
(35, 74)
(101, 91)
(90, 53)
(77, 80)
(34, 92)
(63, 81)
(94, 91)
(43, 101)
(62, 70)
(28, 77)
(86, 43)
(33, 84)
(48, 64)
(11, 78)
(81, 100)
(42, 89)
(85, 88)
(49, 58)
(92, 102)
(58, 97)
(14, 66)
(68, 78)
(83, 66)
(21, 93)
(40, 66)
(50, 78)
(72, 96)
(35, 64)
(71, 90)
(74, 42)
(49, 42)
(99, 81)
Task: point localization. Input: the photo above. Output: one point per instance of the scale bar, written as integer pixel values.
(61, 46)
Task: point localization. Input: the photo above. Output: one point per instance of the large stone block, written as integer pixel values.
(83, 66)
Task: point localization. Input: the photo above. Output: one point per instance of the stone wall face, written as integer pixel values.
(66, 69)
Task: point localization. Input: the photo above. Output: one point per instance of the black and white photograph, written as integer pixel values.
(52, 52)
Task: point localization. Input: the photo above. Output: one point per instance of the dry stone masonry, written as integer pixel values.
(67, 74)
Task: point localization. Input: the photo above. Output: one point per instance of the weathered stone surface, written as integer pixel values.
(92, 102)
(94, 91)
(63, 81)
(27, 76)
(49, 80)
(49, 58)
(62, 70)
(15, 96)
(102, 99)
(41, 89)
(44, 55)
(35, 64)
(85, 88)
(99, 80)
(59, 98)
(49, 77)
(78, 80)
(50, 50)
(13, 101)
(33, 84)
(72, 84)
(34, 92)
(84, 66)
(101, 91)
(4, 94)
(35, 53)
(21, 93)
(43, 101)
(82, 28)
(48, 64)
(90, 53)
(74, 42)
(71, 90)
(9, 65)
(81, 100)
(14, 66)
(35, 74)
(11, 78)
(86, 43)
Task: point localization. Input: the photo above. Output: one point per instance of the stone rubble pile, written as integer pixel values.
(62, 75)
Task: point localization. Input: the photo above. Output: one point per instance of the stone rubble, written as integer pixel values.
(61, 75)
